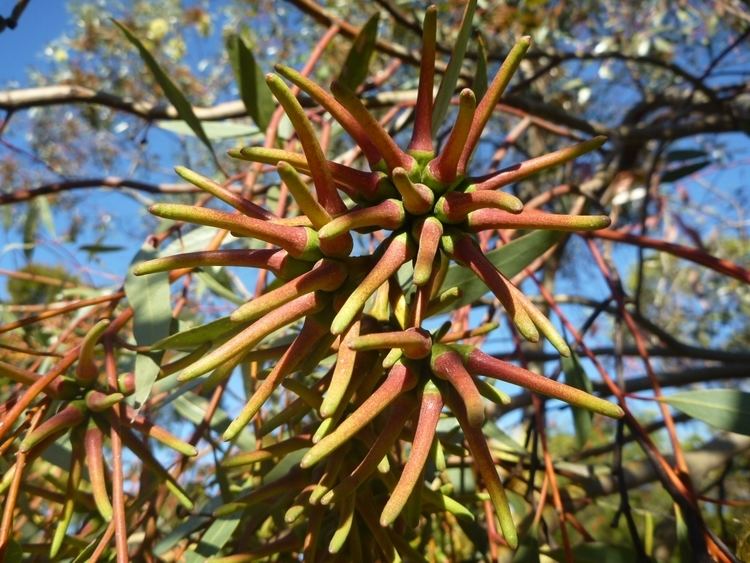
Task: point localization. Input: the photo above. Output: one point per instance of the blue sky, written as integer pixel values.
(23, 47)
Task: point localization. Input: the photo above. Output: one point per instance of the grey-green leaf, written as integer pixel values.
(510, 259)
(171, 91)
(725, 409)
(250, 81)
(149, 297)
(450, 78)
(216, 130)
(357, 63)
(576, 376)
(479, 86)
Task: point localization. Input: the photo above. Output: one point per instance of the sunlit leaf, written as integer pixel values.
(149, 297)
(357, 63)
(175, 96)
(214, 129)
(450, 78)
(725, 409)
(250, 81)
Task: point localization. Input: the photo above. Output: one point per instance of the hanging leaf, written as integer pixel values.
(725, 409)
(450, 78)
(510, 259)
(683, 171)
(357, 63)
(528, 549)
(479, 86)
(171, 91)
(149, 297)
(30, 228)
(576, 376)
(250, 81)
(198, 335)
(216, 537)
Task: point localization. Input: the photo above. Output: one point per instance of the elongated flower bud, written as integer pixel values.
(447, 364)
(491, 97)
(399, 380)
(250, 336)
(432, 404)
(454, 207)
(300, 242)
(273, 451)
(326, 275)
(480, 363)
(303, 345)
(342, 373)
(445, 167)
(518, 172)
(388, 214)
(484, 219)
(217, 190)
(421, 138)
(96, 401)
(95, 464)
(415, 342)
(86, 370)
(430, 232)
(486, 466)
(70, 416)
(74, 481)
(276, 261)
(417, 198)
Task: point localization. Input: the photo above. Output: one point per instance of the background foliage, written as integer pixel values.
(89, 138)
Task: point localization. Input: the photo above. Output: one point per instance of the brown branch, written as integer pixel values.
(84, 183)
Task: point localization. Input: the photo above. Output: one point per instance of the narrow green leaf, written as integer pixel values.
(528, 549)
(678, 173)
(684, 549)
(149, 297)
(254, 92)
(357, 63)
(479, 85)
(198, 335)
(725, 409)
(171, 91)
(450, 78)
(215, 130)
(217, 535)
(30, 228)
(100, 248)
(193, 407)
(510, 259)
(46, 216)
(576, 376)
(220, 284)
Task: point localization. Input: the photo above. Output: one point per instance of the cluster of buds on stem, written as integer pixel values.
(389, 372)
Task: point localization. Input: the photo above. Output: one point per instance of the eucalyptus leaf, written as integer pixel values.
(683, 171)
(216, 130)
(149, 296)
(357, 63)
(450, 78)
(725, 409)
(251, 83)
(575, 376)
(175, 96)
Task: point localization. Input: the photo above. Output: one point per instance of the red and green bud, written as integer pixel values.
(94, 446)
(485, 219)
(490, 99)
(424, 434)
(518, 172)
(271, 452)
(220, 192)
(417, 198)
(342, 373)
(326, 275)
(388, 214)
(253, 334)
(398, 251)
(421, 138)
(454, 207)
(400, 380)
(480, 363)
(414, 342)
(86, 370)
(72, 415)
(325, 189)
(300, 242)
(96, 401)
(444, 169)
(429, 234)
